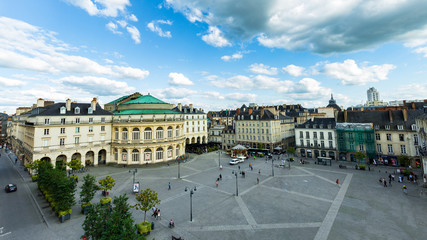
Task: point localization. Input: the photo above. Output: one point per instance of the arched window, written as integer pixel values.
(124, 155)
(135, 134)
(169, 152)
(147, 155)
(177, 132)
(125, 134)
(135, 155)
(90, 110)
(159, 133)
(170, 132)
(177, 150)
(62, 110)
(147, 133)
(77, 110)
(159, 154)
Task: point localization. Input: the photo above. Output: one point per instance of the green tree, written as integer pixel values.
(146, 200)
(63, 189)
(75, 164)
(361, 156)
(404, 161)
(290, 150)
(107, 183)
(88, 189)
(104, 222)
(260, 146)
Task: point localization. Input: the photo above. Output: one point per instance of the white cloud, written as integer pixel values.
(293, 70)
(132, 18)
(107, 8)
(113, 28)
(236, 97)
(407, 91)
(174, 93)
(134, 33)
(215, 38)
(8, 82)
(109, 61)
(351, 74)
(235, 56)
(321, 26)
(154, 27)
(263, 69)
(97, 85)
(27, 47)
(179, 79)
(422, 50)
(122, 23)
(236, 82)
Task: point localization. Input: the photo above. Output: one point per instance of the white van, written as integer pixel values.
(241, 159)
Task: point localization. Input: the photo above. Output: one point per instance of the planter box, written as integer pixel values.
(65, 217)
(85, 209)
(144, 227)
(105, 201)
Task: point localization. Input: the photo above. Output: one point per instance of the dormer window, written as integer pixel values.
(414, 127)
(399, 127)
(377, 127)
(77, 110)
(252, 117)
(90, 110)
(62, 110)
(257, 117)
(387, 127)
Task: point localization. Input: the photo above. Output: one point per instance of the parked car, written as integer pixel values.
(241, 159)
(10, 188)
(234, 161)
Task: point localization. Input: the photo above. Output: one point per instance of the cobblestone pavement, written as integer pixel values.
(300, 202)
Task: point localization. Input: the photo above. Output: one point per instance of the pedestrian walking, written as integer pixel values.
(385, 182)
(154, 211)
(220, 176)
(389, 182)
(257, 180)
(158, 215)
(338, 181)
(216, 183)
(259, 172)
(220, 167)
(238, 167)
(169, 186)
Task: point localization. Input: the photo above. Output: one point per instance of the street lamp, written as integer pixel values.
(219, 155)
(272, 168)
(179, 170)
(192, 190)
(134, 171)
(237, 187)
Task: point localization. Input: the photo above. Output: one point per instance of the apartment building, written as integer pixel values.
(196, 124)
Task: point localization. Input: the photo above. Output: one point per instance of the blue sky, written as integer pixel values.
(214, 54)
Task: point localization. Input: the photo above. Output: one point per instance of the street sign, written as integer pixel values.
(136, 187)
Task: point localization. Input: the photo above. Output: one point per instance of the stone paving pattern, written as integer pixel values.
(303, 202)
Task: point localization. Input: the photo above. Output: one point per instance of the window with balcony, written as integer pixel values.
(76, 140)
(361, 148)
(77, 120)
(321, 135)
(322, 144)
(329, 136)
(62, 121)
(314, 134)
(403, 149)
(90, 128)
(315, 143)
(308, 143)
(330, 144)
(301, 134)
(47, 121)
(390, 148)
(379, 148)
(302, 143)
(170, 132)
(401, 137)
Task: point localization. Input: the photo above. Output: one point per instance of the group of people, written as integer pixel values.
(156, 213)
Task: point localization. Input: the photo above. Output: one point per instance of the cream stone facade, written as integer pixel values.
(145, 130)
(196, 124)
(61, 132)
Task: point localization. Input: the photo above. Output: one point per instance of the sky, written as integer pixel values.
(214, 54)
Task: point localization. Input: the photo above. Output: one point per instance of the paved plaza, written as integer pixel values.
(300, 202)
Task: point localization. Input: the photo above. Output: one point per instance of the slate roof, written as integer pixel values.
(145, 99)
(118, 99)
(318, 122)
(187, 109)
(267, 115)
(54, 110)
(381, 118)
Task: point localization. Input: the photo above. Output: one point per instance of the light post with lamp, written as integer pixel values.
(192, 190)
(178, 159)
(133, 171)
(272, 167)
(237, 187)
(219, 158)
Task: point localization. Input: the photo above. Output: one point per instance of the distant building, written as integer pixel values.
(373, 94)
(196, 124)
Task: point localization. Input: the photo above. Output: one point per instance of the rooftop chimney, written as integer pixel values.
(93, 104)
(413, 105)
(180, 107)
(345, 115)
(40, 102)
(191, 107)
(68, 104)
(262, 112)
(405, 114)
(238, 111)
(250, 111)
(390, 115)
